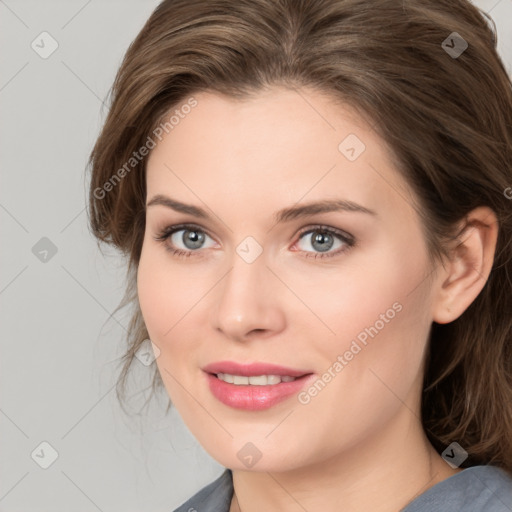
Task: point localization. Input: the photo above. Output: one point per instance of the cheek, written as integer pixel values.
(165, 297)
(156, 303)
(173, 299)
(165, 293)
(379, 318)
(376, 366)
(364, 298)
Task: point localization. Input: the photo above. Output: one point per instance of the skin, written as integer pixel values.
(359, 443)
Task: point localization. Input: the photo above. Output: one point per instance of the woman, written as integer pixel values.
(314, 199)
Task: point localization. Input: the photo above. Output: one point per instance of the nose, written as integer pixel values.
(248, 301)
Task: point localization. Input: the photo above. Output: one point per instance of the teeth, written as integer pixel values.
(259, 380)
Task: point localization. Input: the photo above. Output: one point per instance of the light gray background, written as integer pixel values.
(59, 346)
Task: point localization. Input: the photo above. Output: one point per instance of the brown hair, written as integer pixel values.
(447, 119)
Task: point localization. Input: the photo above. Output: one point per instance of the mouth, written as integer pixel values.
(255, 392)
(255, 380)
(259, 369)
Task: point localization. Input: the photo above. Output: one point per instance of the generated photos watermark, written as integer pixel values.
(137, 156)
(344, 359)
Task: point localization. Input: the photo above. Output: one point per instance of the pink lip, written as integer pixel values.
(254, 398)
(253, 369)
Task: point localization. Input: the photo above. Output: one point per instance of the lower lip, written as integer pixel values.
(254, 398)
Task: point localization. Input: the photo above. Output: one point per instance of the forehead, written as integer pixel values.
(284, 145)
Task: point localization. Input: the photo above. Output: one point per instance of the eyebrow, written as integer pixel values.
(284, 215)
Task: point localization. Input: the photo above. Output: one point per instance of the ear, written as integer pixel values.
(468, 266)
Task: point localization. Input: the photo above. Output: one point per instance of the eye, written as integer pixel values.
(186, 239)
(323, 239)
(183, 240)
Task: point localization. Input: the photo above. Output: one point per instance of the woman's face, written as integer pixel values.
(343, 294)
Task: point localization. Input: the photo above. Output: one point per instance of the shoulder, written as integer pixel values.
(475, 489)
(214, 497)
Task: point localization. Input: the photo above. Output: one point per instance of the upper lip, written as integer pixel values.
(253, 369)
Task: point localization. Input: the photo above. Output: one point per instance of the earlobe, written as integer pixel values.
(468, 266)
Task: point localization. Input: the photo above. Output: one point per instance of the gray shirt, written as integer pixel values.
(476, 489)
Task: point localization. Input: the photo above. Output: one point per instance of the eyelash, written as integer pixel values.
(348, 240)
